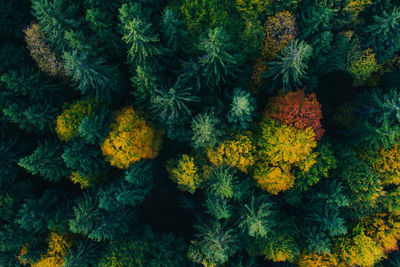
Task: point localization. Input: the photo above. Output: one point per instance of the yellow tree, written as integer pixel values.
(130, 140)
(57, 249)
(67, 123)
(280, 148)
(186, 174)
(237, 153)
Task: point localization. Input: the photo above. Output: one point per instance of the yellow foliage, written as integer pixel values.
(283, 144)
(251, 8)
(235, 153)
(363, 67)
(68, 122)
(279, 31)
(58, 248)
(359, 250)
(274, 179)
(386, 162)
(40, 51)
(130, 140)
(317, 260)
(83, 180)
(356, 6)
(185, 174)
(384, 229)
(280, 148)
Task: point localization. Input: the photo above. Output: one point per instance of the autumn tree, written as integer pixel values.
(130, 140)
(186, 174)
(298, 110)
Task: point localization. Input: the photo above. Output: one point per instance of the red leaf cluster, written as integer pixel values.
(298, 110)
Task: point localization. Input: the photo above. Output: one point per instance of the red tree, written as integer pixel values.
(298, 110)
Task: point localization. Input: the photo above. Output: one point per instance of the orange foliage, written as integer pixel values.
(68, 122)
(235, 153)
(41, 52)
(259, 68)
(317, 260)
(297, 109)
(130, 140)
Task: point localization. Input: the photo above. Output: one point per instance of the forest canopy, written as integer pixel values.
(215, 133)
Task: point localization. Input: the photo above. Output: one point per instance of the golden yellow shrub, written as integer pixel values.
(186, 174)
(130, 140)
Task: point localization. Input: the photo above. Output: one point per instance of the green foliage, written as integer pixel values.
(46, 161)
(217, 57)
(242, 109)
(84, 158)
(258, 217)
(206, 129)
(383, 35)
(222, 182)
(290, 66)
(92, 75)
(93, 129)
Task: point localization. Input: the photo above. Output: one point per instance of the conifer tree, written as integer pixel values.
(242, 109)
(93, 129)
(383, 35)
(46, 161)
(217, 57)
(206, 130)
(290, 66)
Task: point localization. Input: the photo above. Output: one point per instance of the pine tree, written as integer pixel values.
(93, 129)
(258, 216)
(142, 43)
(242, 109)
(290, 66)
(55, 17)
(92, 75)
(173, 33)
(217, 57)
(206, 129)
(46, 161)
(145, 81)
(383, 35)
(172, 105)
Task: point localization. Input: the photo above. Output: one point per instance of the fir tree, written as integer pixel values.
(46, 161)
(206, 129)
(242, 109)
(290, 66)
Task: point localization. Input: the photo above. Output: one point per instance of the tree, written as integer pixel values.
(258, 217)
(206, 129)
(280, 30)
(214, 243)
(242, 109)
(55, 17)
(238, 152)
(130, 140)
(171, 105)
(383, 35)
(69, 121)
(217, 59)
(92, 75)
(186, 174)
(84, 158)
(142, 43)
(363, 67)
(318, 260)
(222, 182)
(290, 66)
(173, 31)
(145, 80)
(93, 129)
(298, 110)
(46, 161)
(41, 52)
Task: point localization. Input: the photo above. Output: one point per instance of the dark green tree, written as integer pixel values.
(94, 128)
(291, 65)
(242, 109)
(46, 161)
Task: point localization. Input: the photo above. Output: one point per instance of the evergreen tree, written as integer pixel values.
(242, 109)
(206, 129)
(383, 35)
(46, 161)
(217, 57)
(290, 66)
(93, 129)
(92, 75)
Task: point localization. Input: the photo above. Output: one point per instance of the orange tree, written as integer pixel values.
(130, 140)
